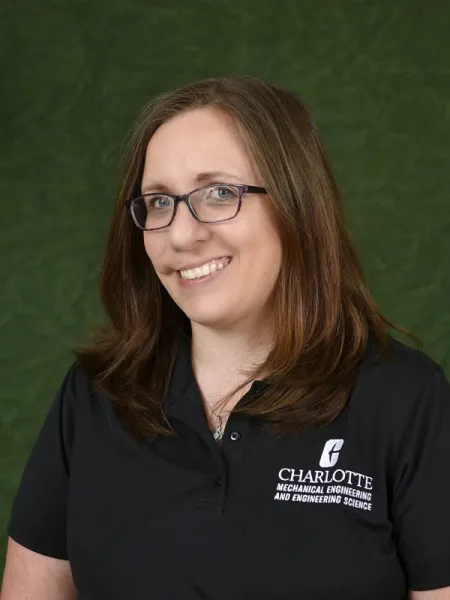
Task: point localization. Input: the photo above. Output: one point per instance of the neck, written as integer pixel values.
(228, 353)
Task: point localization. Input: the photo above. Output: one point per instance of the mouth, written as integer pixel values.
(205, 270)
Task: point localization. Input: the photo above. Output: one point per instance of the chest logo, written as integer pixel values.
(326, 485)
(330, 453)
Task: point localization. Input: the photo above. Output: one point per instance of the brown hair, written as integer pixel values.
(323, 309)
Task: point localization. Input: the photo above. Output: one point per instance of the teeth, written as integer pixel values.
(204, 270)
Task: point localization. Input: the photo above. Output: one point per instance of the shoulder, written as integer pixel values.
(74, 388)
(77, 398)
(392, 390)
(76, 381)
(404, 369)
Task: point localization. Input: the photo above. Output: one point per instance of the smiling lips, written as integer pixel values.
(206, 269)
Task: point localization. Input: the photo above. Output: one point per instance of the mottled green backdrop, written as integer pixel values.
(73, 74)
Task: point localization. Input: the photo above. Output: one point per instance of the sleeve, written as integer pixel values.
(38, 514)
(421, 502)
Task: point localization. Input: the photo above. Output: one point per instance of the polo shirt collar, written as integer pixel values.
(183, 385)
(183, 401)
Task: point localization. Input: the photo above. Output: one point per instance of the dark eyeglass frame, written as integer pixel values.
(243, 189)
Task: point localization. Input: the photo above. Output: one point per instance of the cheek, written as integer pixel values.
(265, 253)
(155, 251)
(261, 239)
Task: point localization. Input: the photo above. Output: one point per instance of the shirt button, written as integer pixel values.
(218, 481)
(235, 436)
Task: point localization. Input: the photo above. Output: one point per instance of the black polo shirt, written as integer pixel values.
(357, 509)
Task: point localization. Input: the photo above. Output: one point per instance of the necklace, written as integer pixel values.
(217, 431)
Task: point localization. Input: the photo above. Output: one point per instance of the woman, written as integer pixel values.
(244, 426)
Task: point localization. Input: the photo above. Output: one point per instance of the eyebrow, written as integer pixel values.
(204, 177)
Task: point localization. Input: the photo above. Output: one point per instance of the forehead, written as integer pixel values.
(197, 141)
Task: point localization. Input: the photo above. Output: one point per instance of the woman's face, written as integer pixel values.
(197, 148)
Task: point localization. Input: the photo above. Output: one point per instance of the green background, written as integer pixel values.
(73, 75)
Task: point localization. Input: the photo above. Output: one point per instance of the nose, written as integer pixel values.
(185, 230)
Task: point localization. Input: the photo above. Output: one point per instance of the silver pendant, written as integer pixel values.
(217, 433)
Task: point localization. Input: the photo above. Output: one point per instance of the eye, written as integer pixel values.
(159, 202)
(224, 193)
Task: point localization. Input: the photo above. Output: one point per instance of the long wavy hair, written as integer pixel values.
(324, 312)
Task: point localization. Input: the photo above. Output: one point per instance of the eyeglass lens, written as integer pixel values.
(211, 204)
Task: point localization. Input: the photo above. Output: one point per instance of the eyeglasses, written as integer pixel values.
(208, 204)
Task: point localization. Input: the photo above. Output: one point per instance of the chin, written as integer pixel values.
(208, 318)
(212, 321)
